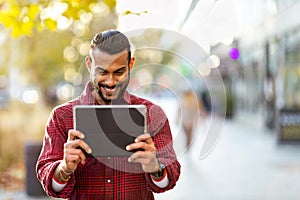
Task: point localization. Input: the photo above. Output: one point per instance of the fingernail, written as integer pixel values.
(136, 140)
(127, 148)
(90, 151)
(82, 136)
(129, 159)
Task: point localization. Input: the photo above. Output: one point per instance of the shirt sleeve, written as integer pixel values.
(52, 153)
(159, 128)
(163, 182)
(57, 186)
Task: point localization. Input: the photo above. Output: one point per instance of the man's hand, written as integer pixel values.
(146, 158)
(73, 155)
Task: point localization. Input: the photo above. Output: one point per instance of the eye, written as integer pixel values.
(120, 72)
(100, 71)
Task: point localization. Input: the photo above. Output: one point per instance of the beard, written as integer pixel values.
(121, 87)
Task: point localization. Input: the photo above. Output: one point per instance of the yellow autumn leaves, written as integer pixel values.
(25, 17)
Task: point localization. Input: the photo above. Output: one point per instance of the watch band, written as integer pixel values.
(160, 172)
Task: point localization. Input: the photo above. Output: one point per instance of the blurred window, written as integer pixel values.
(291, 72)
(283, 4)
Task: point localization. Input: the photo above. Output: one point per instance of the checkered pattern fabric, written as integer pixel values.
(105, 178)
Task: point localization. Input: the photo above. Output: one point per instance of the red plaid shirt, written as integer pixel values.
(105, 178)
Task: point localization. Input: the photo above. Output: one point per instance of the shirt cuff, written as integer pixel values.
(57, 185)
(162, 182)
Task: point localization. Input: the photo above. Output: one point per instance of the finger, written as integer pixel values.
(140, 160)
(141, 145)
(77, 153)
(82, 157)
(141, 157)
(137, 155)
(147, 160)
(84, 146)
(145, 138)
(78, 143)
(72, 158)
(134, 158)
(73, 134)
(73, 151)
(71, 144)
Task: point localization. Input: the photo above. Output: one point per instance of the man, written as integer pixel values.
(65, 171)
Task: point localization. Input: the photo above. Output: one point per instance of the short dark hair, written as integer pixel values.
(111, 42)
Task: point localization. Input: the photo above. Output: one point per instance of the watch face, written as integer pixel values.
(160, 172)
(161, 166)
(161, 169)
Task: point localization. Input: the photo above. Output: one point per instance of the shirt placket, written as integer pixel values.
(109, 176)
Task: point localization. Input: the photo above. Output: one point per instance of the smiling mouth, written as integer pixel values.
(108, 90)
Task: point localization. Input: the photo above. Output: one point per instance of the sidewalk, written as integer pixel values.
(247, 163)
(19, 195)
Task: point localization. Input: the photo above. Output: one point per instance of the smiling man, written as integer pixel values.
(64, 168)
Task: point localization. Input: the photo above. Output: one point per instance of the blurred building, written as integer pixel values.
(267, 78)
(262, 78)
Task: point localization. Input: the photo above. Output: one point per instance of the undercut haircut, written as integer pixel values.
(111, 42)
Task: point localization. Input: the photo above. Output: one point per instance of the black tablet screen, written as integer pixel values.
(108, 130)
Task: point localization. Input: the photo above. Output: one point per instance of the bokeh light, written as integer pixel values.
(213, 61)
(65, 91)
(70, 54)
(234, 53)
(30, 96)
(3, 81)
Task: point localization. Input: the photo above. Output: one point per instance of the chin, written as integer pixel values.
(110, 99)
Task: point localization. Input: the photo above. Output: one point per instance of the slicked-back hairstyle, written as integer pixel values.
(111, 42)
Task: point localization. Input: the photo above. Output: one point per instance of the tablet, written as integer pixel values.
(108, 129)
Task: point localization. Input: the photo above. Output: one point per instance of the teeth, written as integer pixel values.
(110, 90)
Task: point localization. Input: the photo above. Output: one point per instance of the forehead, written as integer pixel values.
(104, 59)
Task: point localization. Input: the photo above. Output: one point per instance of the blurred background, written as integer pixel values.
(239, 58)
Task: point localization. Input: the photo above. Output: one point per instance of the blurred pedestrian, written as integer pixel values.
(64, 169)
(191, 112)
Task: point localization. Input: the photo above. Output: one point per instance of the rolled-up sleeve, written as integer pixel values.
(160, 131)
(52, 153)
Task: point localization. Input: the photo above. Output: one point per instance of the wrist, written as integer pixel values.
(65, 178)
(63, 166)
(65, 171)
(159, 179)
(61, 174)
(160, 172)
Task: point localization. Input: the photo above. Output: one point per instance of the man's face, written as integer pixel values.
(110, 75)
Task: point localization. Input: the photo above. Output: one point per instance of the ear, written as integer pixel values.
(131, 63)
(88, 62)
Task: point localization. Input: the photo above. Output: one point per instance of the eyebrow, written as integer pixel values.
(98, 67)
(120, 69)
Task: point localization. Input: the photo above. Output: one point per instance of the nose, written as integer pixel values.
(110, 80)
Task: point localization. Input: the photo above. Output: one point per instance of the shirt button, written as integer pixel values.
(108, 180)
